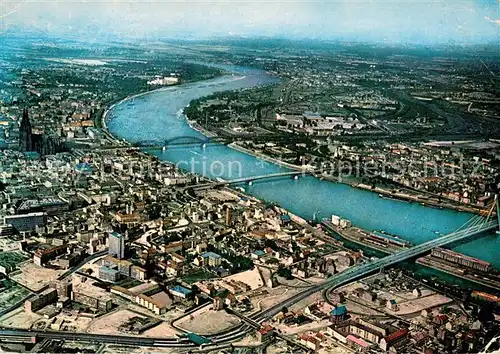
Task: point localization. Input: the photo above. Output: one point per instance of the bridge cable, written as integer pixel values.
(474, 221)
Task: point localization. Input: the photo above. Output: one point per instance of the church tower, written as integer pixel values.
(25, 133)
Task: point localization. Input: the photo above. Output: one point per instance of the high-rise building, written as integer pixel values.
(116, 243)
(25, 133)
(228, 216)
(26, 222)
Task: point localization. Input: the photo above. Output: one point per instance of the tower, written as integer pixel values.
(116, 245)
(25, 133)
(228, 216)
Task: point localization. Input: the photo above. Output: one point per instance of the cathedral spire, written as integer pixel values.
(25, 133)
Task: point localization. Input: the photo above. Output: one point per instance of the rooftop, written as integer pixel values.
(181, 289)
(339, 311)
(210, 255)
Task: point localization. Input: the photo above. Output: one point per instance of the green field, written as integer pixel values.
(197, 276)
(10, 260)
(10, 293)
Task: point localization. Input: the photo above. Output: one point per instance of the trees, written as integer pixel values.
(154, 210)
(285, 273)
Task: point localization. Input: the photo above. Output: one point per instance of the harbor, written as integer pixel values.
(453, 263)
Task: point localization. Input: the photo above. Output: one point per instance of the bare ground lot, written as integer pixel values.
(109, 324)
(208, 322)
(34, 277)
(273, 296)
(19, 319)
(162, 330)
(251, 277)
(313, 326)
(419, 304)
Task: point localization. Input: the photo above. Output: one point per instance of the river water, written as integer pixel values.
(158, 116)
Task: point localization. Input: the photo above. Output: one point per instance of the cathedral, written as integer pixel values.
(41, 143)
(25, 133)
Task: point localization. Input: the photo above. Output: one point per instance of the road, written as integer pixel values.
(232, 335)
(61, 277)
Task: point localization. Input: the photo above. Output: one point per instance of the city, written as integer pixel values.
(247, 193)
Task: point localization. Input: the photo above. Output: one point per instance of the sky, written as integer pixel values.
(390, 21)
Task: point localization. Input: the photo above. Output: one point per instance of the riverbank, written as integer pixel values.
(405, 195)
(128, 98)
(195, 126)
(411, 221)
(362, 238)
(408, 197)
(456, 271)
(264, 157)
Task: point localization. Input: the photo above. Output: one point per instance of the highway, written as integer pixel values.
(229, 336)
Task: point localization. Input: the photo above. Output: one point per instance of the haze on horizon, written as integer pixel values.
(459, 22)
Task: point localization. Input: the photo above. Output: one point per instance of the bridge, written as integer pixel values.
(223, 183)
(269, 176)
(474, 227)
(203, 141)
(180, 141)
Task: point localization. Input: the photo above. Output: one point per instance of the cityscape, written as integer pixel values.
(255, 184)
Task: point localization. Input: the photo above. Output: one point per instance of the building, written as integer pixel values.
(64, 288)
(212, 259)
(357, 343)
(116, 243)
(40, 143)
(377, 327)
(26, 222)
(265, 332)
(337, 298)
(25, 133)
(122, 265)
(235, 286)
(96, 301)
(177, 258)
(180, 292)
(365, 332)
(338, 314)
(461, 259)
(138, 273)
(394, 339)
(43, 299)
(158, 301)
(218, 303)
(312, 341)
(70, 260)
(41, 257)
(392, 305)
(109, 274)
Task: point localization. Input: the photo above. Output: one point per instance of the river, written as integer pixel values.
(158, 115)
